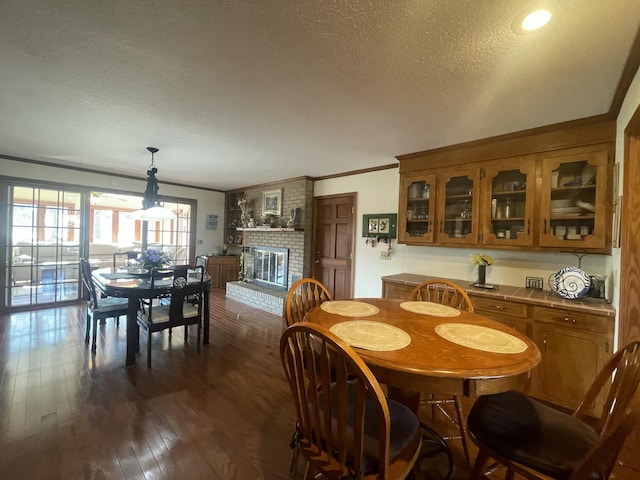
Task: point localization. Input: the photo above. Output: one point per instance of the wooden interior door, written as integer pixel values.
(629, 306)
(333, 241)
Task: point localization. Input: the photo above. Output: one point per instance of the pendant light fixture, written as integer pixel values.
(151, 208)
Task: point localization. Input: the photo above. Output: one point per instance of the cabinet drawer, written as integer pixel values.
(582, 321)
(499, 307)
(396, 290)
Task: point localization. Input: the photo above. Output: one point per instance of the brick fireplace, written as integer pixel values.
(297, 194)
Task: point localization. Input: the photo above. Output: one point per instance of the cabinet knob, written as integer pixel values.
(569, 320)
(498, 307)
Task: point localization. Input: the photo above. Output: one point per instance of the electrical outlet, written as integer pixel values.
(534, 282)
(385, 255)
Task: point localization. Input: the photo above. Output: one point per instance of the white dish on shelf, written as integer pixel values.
(566, 210)
(561, 202)
(586, 206)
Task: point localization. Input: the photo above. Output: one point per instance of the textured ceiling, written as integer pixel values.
(238, 93)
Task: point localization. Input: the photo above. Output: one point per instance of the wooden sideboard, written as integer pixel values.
(575, 337)
(223, 269)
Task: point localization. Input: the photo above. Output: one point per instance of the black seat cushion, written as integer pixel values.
(528, 431)
(404, 427)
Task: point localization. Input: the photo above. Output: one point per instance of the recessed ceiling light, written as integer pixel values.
(536, 19)
(536, 16)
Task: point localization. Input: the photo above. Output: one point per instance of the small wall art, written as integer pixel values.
(380, 225)
(272, 202)
(212, 222)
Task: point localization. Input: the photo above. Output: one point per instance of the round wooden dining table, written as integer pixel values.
(449, 352)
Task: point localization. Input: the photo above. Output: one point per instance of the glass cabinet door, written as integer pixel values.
(458, 207)
(574, 203)
(417, 200)
(507, 206)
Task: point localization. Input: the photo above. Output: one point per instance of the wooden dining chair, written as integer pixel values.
(156, 316)
(99, 308)
(538, 441)
(303, 295)
(347, 428)
(446, 292)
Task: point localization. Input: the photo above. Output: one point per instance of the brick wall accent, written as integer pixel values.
(266, 299)
(298, 195)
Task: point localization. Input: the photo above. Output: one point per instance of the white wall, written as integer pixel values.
(377, 192)
(207, 202)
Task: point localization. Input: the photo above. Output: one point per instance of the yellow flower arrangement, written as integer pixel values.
(481, 259)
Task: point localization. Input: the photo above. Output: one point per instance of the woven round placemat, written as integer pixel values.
(430, 308)
(481, 338)
(375, 336)
(349, 308)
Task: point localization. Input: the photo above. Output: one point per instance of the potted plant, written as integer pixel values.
(481, 260)
(152, 258)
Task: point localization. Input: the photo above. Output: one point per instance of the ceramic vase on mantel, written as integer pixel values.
(482, 274)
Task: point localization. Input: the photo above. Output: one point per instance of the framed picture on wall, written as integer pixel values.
(383, 225)
(272, 202)
(212, 222)
(379, 225)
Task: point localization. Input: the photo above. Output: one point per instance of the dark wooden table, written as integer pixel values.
(119, 283)
(433, 364)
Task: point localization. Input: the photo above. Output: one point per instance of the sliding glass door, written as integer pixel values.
(43, 246)
(50, 227)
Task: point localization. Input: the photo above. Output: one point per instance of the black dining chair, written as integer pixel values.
(153, 316)
(122, 259)
(538, 442)
(202, 260)
(99, 308)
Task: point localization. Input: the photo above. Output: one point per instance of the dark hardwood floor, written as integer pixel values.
(223, 414)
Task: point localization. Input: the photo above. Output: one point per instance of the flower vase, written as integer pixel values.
(482, 274)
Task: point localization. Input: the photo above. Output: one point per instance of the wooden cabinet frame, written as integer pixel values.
(594, 136)
(532, 223)
(600, 234)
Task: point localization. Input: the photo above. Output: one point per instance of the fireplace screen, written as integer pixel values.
(270, 266)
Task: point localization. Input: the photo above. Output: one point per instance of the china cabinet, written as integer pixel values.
(507, 203)
(416, 225)
(457, 208)
(439, 208)
(560, 201)
(575, 203)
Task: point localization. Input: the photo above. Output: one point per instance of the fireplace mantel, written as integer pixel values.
(270, 229)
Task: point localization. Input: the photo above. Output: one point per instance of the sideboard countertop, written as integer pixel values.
(542, 298)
